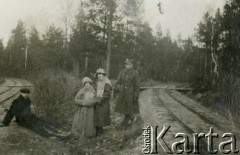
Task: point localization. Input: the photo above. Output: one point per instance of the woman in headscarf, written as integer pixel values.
(102, 108)
(83, 124)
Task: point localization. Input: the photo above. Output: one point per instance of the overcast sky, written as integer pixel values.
(180, 16)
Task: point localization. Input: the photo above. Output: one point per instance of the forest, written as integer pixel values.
(106, 32)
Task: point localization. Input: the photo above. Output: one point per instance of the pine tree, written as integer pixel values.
(17, 46)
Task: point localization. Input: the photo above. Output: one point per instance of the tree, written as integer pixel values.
(204, 36)
(2, 56)
(53, 43)
(110, 8)
(35, 49)
(17, 47)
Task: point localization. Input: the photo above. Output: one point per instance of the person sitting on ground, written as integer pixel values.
(21, 109)
(83, 123)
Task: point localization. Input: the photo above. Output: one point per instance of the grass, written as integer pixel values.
(2, 80)
(53, 99)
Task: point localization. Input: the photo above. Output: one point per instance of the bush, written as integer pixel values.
(53, 96)
(226, 99)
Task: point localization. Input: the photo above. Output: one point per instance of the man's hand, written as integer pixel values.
(2, 125)
(135, 99)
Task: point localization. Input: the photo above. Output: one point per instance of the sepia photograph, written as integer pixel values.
(119, 77)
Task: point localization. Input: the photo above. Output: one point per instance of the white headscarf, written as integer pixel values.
(101, 85)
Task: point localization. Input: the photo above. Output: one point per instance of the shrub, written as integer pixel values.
(53, 96)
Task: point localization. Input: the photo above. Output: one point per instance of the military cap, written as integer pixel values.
(127, 61)
(25, 90)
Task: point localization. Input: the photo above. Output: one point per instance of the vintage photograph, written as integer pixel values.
(119, 77)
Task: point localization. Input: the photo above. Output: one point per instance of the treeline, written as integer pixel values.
(218, 39)
(100, 26)
(218, 60)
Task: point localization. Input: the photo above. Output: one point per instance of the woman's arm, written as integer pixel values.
(79, 98)
(90, 102)
(79, 102)
(106, 94)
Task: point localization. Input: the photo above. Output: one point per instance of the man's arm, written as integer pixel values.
(136, 85)
(10, 114)
(118, 84)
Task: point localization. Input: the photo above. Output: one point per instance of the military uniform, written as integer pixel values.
(127, 88)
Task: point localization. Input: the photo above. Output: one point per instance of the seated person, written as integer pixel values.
(20, 108)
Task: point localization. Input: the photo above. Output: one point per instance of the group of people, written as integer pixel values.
(92, 105)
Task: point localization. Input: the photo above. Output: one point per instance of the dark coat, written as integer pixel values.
(102, 109)
(20, 108)
(127, 88)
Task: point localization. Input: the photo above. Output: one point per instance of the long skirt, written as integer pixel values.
(83, 122)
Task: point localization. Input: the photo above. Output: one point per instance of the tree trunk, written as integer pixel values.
(76, 67)
(215, 70)
(26, 58)
(205, 67)
(109, 47)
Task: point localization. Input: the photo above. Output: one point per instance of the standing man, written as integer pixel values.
(127, 88)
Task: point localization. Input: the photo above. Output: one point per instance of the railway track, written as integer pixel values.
(10, 92)
(202, 143)
(204, 118)
(171, 108)
(8, 82)
(216, 121)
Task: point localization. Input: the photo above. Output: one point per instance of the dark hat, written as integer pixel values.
(25, 90)
(128, 61)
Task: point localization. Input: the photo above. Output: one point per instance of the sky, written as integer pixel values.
(180, 16)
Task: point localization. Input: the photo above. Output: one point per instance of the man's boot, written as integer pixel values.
(127, 122)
